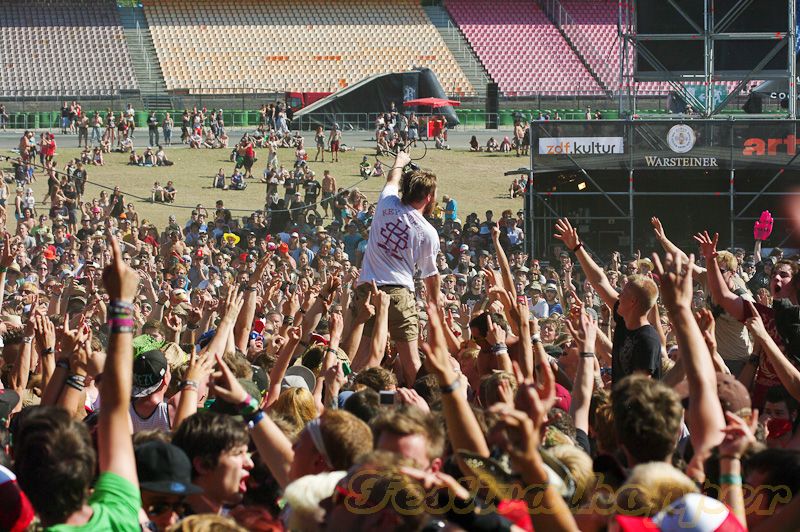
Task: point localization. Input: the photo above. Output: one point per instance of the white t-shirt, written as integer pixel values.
(400, 239)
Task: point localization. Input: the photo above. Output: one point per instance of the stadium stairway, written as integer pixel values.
(571, 32)
(460, 48)
(143, 56)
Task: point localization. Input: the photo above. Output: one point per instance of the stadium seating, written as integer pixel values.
(70, 48)
(521, 48)
(309, 45)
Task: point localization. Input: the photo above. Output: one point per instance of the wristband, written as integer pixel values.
(3, 269)
(76, 382)
(256, 419)
(730, 480)
(47, 351)
(499, 347)
(250, 288)
(27, 339)
(450, 388)
(288, 320)
(576, 248)
(121, 330)
(728, 457)
(536, 338)
(74, 385)
(189, 384)
(587, 354)
(120, 322)
(302, 310)
(192, 326)
(249, 406)
(120, 306)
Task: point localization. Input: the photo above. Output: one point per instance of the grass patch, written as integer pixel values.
(475, 180)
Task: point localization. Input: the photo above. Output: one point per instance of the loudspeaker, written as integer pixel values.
(754, 104)
(492, 105)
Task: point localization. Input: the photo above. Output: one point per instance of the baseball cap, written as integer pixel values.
(17, 511)
(535, 287)
(563, 398)
(463, 248)
(691, 513)
(551, 286)
(733, 396)
(295, 234)
(8, 400)
(164, 468)
(299, 377)
(149, 369)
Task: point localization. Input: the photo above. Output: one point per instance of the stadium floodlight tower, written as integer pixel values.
(694, 44)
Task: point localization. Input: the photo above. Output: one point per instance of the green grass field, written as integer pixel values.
(475, 179)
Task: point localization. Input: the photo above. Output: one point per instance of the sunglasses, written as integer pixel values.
(158, 508)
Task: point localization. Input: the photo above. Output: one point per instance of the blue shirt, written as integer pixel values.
(451, 206)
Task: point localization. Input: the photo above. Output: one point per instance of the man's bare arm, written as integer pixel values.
(594, 273)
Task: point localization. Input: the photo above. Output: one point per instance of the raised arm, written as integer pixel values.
(584, 332)
(594, 273)
(396, 172)
(462, 426)
(115, 446)
(705, 416)
(733, 304)
(787, 373)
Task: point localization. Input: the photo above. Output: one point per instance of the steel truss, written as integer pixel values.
(713, 30)
(540, 213)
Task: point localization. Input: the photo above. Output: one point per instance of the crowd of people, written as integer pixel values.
(400, 368)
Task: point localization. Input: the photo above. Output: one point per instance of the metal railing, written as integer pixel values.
(475, 68)
(582, 43)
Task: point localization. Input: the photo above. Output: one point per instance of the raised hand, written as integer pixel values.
(754, 323)
(584, 331)
(409, 396)
(226, 386)
(676, 281)
(495, 335)
(536, 399)
(708, 245)
(763, 226)
(566, 233)
(45, 332)
(739, 435)
(658, 229)
(437, 357)
(173, 322)
(8, 252)
(336, 325)
(120, 281)
(199, 367)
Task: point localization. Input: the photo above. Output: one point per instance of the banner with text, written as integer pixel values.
(581, 146)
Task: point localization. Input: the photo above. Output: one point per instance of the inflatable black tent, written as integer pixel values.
(361, 101)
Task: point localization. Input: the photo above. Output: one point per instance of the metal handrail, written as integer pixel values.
(565, 22)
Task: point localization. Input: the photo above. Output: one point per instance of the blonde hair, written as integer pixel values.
(651, 487)
(206, 523)
(580, 467)
(645, 290)
(297, 405)
(303, 497)
(728, 260)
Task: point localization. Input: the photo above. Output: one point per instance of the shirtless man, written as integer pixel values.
(328, 191)
(335, 141)
(519, 134)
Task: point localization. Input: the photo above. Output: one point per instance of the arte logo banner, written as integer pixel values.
(581, 146)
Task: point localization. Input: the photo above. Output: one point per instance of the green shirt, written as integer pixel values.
(115, 506)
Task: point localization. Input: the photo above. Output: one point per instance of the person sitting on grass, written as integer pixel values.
(126, 145)
(237, 181)
(169, 192)
(365, 169)
(149, 158)
(516, 188)
(97, 157)
(196, 140)
(441, 143)
(157, 194)
(474, 145)
(133, 159)
(161, 158)
(505, 146)
(492, 145)
(219, 179)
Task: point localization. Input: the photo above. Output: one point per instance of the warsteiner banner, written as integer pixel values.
(665, 144)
